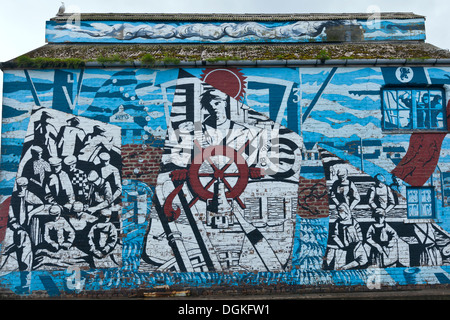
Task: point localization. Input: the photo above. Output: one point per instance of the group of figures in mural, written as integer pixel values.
(65, 209)
(226, 197)
(383, 238)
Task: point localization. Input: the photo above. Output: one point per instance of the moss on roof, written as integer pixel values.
(243, 52)
(75, 55)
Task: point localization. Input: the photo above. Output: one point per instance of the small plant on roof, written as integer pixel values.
(114, 58)
(323, 55)
(46, 63)
(171, 60)
(148, 60)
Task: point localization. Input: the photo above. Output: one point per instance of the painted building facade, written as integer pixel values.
(129, 177)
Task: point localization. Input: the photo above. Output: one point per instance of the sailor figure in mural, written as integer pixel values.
(381, 197)
(345, 247)
(344, 191)
(70, 138)
(382, 242)
(218, 205)
(58, 187)
(45, 135)
(24, 205)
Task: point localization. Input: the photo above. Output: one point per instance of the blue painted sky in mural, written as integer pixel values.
(354, 110)
(29, 25)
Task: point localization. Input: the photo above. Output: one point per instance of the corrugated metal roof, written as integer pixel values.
(234, 17)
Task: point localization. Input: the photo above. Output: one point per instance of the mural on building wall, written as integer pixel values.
(229, 32)
(285, 175)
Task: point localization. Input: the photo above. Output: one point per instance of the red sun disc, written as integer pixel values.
(230, 81)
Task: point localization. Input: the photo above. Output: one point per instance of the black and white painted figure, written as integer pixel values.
(344, 191)
(78, 179)
(18, 244)
(58, 187)
(100, 193)
(45, 135)
(70, 138)
(382, 242)
(381, 197)
(345, 247)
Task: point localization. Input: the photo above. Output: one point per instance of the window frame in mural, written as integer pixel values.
(411, 201)
(411, 110)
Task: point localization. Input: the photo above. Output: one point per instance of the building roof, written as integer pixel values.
(234, 17)
(98, 55)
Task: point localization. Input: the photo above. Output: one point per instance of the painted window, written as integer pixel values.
(413, 108)
(421, 203)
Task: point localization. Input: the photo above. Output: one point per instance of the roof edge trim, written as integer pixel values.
(232, 17)
(264, 63)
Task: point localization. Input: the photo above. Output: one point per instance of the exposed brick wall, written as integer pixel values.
(312, 198)
(141, 163)
(4, 208)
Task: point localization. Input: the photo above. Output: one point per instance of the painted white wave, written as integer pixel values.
(345, 89)
(128, 31)
(7, 175)
(327, 105)
(253, 103)
(369, 131)
(155, 114)
(384, 35)
(94, 76)
(17, 134)
(19, 105)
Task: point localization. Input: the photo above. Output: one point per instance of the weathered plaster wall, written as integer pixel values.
(219, 177)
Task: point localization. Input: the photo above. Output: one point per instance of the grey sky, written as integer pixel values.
(22, 22)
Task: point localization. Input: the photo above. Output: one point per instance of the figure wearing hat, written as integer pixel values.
(45, 135)
(111, 174)
(100, 193)
(24, 204)
(35, 169)
(382, 241)
(78, 178)
(58, 233)
(103, 236)
(58, 187)
(70, 138)
(94, 143)
(381, 196)
(344, 190)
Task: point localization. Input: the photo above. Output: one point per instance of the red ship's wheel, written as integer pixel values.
(234, 174)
